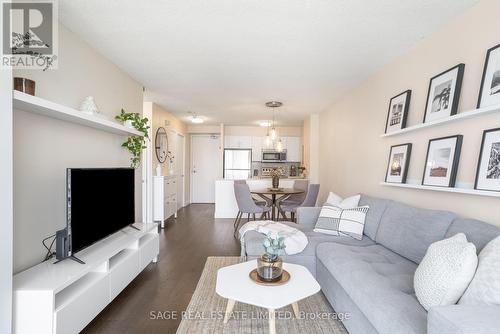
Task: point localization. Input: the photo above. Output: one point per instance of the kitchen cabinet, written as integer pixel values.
(258, 143)
(293, 148)
(237, 142)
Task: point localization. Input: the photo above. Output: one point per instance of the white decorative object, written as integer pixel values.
(128, 123)
(65, 297)
(88, 106)
(347, 203)
(485, 286)
(158, 170)
(234, 284)
(445, 271)
(335, 220)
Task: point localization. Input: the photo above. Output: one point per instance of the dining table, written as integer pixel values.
(271, 195)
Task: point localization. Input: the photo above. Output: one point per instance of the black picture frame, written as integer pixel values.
(485, 70)
(454, 166)
(405, 109)
(478, 169)
(457, 91)
(407, 162)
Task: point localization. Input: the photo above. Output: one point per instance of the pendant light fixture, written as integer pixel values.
(274, 133)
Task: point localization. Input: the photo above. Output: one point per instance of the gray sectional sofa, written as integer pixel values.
(372, 279)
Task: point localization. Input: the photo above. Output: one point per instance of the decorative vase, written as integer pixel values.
(128, 123)
(276, 182)
(269, 270)
(88, 106)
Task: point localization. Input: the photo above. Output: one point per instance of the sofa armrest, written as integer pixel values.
(464, 319)
(307, 215)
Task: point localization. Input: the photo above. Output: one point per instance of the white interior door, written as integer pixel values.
(205, 167)
(180, 170)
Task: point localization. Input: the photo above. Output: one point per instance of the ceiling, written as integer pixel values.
(223, 59)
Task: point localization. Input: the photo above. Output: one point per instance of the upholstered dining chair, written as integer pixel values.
(309, 201)
(246, 204)
(295, 199)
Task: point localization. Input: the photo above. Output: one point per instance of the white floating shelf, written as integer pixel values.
(37, 105)
(458, 117)
(466, 191)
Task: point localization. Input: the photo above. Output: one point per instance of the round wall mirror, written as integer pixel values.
(161, 144)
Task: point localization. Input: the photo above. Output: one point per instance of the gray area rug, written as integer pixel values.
(206, 309)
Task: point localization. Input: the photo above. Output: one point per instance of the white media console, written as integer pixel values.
(64, 297)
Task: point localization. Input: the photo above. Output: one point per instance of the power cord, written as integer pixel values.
(50, 253)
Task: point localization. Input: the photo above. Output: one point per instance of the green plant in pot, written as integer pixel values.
(135, 144)
(270, 264)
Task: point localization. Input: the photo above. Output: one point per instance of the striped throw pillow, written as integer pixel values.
(337, 221)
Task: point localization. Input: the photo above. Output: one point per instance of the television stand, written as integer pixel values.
(71, 257)
(132, 225)
(64, 298)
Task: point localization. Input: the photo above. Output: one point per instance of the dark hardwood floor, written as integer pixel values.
(168, 285)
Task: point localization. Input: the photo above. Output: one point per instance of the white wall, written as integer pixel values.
(6, 200)
(45, 147)
(353, 158)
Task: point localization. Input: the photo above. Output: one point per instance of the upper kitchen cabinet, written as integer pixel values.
(293, 148)
(238, 142)
(258, 143)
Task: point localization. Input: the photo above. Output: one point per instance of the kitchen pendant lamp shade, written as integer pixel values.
(274, 134)
(279, 146)
(268, 141)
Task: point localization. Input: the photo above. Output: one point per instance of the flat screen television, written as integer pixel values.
(100, 202)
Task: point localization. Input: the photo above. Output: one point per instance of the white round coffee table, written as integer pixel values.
(234, 284)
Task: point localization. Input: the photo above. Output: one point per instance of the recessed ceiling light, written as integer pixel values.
(265, 124)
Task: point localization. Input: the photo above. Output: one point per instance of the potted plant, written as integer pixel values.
(135, 144)
(270, 264)
(276, 173)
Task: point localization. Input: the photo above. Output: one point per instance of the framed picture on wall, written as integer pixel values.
(441, 165)
(399, 161)
(444, 94)
(488, 167)
(489, 93)
(398, 112)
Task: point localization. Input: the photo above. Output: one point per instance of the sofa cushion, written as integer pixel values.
(374, 215)
(253, 240)
(477, 232)
(409, 231)
(380, 283)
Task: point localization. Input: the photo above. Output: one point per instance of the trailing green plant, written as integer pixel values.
(135, 144)
(274, 247)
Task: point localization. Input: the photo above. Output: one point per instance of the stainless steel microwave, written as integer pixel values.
(273, 156)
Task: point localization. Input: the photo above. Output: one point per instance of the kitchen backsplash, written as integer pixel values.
(257, 167)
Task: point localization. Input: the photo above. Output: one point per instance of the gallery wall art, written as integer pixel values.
(489, 93)
(488, 167)
(441, 163)
(399, 162)
(398, 112)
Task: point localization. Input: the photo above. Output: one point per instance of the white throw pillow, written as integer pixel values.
(445, 271)
(334, 220)
(485, 286)
(347, 203)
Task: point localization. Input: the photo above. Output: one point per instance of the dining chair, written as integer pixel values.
(257, 201)
(246, 204)
(295, 199)
(309, 201)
